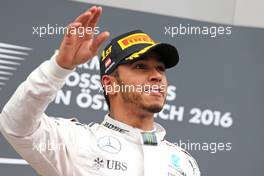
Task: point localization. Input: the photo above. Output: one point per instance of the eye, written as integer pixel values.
(161, 68)
(140, 66)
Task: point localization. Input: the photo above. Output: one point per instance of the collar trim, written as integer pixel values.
(136, 135)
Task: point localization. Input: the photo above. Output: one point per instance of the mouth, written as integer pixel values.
(154, 91)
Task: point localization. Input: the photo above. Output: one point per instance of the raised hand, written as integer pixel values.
(77, 49)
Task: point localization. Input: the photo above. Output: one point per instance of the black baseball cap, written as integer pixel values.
(130, 46)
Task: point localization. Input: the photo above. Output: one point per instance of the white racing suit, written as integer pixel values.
(65, 147)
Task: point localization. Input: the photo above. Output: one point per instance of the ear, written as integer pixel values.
(109, 82)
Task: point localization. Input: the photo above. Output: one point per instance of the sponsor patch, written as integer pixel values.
(106, 52)
(133, 39)
(108, 62)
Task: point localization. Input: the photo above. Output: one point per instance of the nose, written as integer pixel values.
(155, 76)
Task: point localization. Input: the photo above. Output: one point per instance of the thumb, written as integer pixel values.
(99, 40)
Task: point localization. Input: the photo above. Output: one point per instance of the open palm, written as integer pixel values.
(77, 49)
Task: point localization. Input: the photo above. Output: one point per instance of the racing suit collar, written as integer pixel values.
(135, 135)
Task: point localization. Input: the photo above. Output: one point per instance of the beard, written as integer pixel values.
(135, 98)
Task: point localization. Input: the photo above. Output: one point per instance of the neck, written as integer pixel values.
(133, 116)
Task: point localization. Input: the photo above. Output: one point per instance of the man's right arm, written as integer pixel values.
(21, 115)
(29, 130)
(23, 121)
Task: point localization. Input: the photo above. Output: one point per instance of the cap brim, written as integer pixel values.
(168, 54)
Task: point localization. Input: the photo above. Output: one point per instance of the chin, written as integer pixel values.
(154, 108)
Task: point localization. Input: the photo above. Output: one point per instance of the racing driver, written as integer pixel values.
(128, 142)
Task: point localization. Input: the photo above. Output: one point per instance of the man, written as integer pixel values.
(128, 141)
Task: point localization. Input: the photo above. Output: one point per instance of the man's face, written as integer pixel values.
(148, 78)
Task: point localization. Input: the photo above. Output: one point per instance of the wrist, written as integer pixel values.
(63, 64)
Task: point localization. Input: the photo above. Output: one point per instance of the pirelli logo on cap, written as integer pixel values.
(133, 39)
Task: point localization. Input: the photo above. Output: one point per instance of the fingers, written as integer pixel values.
(89, 19)
(70, 37)
(92, 21)
(99, 40)
(86, 15)
(95, 18)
